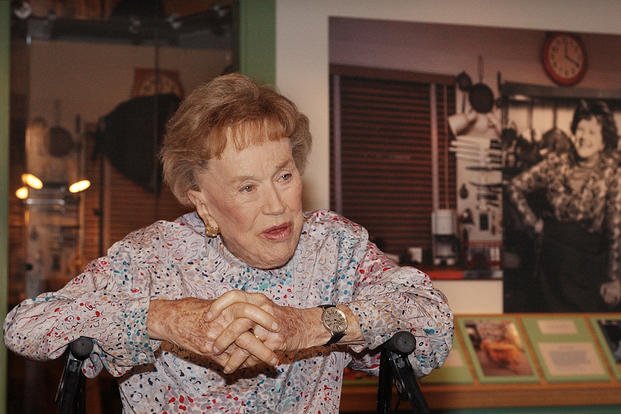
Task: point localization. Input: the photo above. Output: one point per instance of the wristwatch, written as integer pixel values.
(335, 321)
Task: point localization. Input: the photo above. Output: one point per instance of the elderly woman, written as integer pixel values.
(247, 304)
(579, 261)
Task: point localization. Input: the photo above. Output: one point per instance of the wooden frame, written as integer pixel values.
(542, 393)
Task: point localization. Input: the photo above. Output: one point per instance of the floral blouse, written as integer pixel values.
(596, 205)
(334, 263)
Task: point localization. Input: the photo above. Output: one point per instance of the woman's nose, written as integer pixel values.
(273, 203)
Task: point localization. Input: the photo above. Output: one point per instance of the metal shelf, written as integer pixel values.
(523, 91)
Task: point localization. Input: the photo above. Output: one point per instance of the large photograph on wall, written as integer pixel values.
(562, 202)
(562, 208)
(531, 120)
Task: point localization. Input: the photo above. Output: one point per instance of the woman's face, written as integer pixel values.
(255, 197)
(588, 139)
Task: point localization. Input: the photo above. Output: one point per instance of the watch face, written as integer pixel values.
(564, 58)
(334, 319)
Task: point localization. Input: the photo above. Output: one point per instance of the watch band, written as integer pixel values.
(336, 336)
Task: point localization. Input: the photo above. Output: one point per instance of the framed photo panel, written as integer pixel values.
(608, 331)
(497, 348)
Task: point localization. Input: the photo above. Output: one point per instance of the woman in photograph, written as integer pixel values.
(248, 303)
(580, 233)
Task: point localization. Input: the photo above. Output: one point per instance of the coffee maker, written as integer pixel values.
(445, 244)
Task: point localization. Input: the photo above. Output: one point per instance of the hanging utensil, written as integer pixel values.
(555, 139)
(464, 83)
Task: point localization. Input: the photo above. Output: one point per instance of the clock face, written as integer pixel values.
(564, 58)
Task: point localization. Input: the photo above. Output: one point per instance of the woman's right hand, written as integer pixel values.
(184, 323)
(539, 227)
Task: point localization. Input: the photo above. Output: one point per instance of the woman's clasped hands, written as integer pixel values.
(236, 330)
(290, 331)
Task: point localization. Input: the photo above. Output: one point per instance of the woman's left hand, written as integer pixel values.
(611, 292)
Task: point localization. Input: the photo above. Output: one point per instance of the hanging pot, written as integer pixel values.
(61, 142)
(481, 98)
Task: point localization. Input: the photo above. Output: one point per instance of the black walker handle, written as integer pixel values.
(70, 396)
(395, 366)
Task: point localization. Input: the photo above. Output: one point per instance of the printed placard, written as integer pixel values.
(565, 348)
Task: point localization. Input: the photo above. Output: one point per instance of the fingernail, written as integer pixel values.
(216, 350)
(275, 326)
(274, 361)
(209, 316)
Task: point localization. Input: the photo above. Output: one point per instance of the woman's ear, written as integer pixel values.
(197, 198)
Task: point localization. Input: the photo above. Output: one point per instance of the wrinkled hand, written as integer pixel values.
(293, 333)
(611, 292)
(184, 323)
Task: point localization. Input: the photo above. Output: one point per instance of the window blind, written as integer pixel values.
(381, 161)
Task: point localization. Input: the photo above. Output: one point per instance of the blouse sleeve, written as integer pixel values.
(108, 303)
(388, 299)
(523, 184)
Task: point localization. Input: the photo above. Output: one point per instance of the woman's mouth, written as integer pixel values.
(277, 233)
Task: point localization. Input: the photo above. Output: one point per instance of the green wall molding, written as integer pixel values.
(5, 56)
(257, 39)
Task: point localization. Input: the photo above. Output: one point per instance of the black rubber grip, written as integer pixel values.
(403, 342)
(81, 348)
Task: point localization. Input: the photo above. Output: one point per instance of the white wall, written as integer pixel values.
(302, 59)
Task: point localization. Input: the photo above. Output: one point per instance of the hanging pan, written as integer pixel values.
(60, 139)
(481, 97)
(464, 83)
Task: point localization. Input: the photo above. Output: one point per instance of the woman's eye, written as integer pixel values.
(247, 188)
(286, 176)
